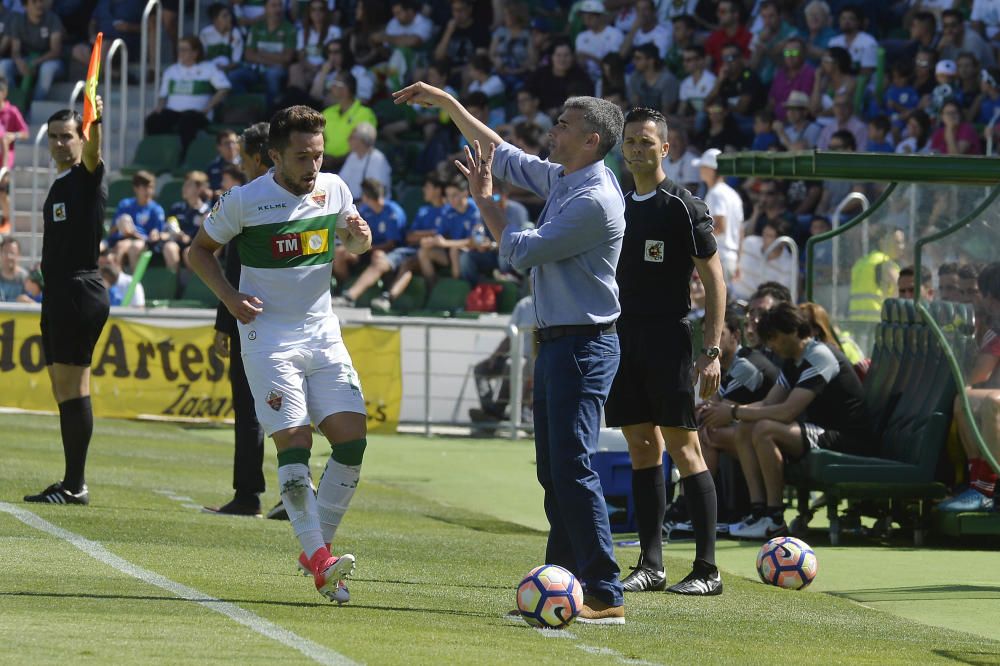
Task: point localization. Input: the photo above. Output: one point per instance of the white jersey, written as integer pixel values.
(191, 88)
(286, 250)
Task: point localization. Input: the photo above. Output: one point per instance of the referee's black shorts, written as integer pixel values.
(74, 311)
(653, 384)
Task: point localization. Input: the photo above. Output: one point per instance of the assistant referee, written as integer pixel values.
(668, 233)
(75, 304)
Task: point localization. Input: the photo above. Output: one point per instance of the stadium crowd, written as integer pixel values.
(904, 76)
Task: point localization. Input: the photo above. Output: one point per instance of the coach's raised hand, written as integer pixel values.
(426, 95)
(422, 94)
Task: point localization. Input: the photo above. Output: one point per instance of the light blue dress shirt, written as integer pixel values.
(573, 251)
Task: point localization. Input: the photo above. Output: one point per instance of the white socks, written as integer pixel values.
(300, 503)
(336, 488)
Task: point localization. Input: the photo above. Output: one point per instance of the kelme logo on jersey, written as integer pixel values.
(300, 244)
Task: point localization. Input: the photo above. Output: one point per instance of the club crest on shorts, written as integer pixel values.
(274, 399)
(654, 251)
(59, 212)
(319, 198)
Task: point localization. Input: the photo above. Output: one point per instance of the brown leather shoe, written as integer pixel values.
(595, 611)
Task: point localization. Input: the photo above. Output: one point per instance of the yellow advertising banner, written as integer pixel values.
(148, 370)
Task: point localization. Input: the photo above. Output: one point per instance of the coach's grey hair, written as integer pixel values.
(601, 116)
(366, 132)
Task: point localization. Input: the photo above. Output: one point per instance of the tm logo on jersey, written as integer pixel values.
(297, 245)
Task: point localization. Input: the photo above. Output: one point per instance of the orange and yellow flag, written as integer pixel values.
(90, 89)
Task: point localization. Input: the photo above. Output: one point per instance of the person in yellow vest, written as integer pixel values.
(342, 116)
(874, 276)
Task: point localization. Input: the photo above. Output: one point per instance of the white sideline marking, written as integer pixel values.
(314, 651)
(589, 649)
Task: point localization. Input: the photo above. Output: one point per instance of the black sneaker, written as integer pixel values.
(56, 494)
(645, 579)
(234, 508)
(277, 512)
(699, 583)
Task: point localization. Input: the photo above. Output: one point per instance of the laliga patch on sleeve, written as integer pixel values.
(654, 251)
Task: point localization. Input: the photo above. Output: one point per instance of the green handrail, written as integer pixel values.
(956, 370)
(140, 270)
(811, 243)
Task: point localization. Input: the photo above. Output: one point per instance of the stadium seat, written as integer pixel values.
(170, 193)
(198, 293)
(159, 284)
(446, 298)
(411, 198)
(909, 391)
(413, 298)
(117, 190)
(243, 109)
(509, 297)
(158, 153)
(199, 154)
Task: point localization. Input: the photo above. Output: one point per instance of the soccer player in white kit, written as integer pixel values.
(299, 370)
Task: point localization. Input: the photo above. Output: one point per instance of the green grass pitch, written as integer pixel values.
(443, 530)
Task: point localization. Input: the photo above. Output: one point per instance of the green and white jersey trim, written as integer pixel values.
(286, 248)
(191, 88)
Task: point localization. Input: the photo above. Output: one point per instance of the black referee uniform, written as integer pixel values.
(75, 308)
(664, 229)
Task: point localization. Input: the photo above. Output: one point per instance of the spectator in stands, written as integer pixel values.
(985, 18)
(983, 394)
(986, 106)
(747, 377)
(185, 217)
(109, 259)
(843, 119)
(317, 30)
(269, 52)
(36, 41)
(249, 12)
(407, 31)
(647, 29)
(798, 127)
(429, 121)
(764, 136)
(901, 97)
(231, 177)
(651, 84)
(387, 222)
(443, 248)
(726, 208)
(598, 40)
(954, 136)
(427, 223)
(793, 75)
(824, 331)
(227, 144)
(817, 402)
(923, 34)
(968, 283)
(924, 74)
(463, 36)
(511, 50)
(819, 30)
(906, 285)
(366, 161)
(346, 113)
(967, 82)
(370, 20)
(14, 127)
(5, 18)
(339, 58)
(772, 206)
(730, 31)
(681, 165)
(948, 284)
(721, 129)
(685, 29)
(955, 39)
(139, 221)
(561, 79)
(697, 86)
(117, 19)
(761, 261)
(12, 276)
(480, 258)
(480, 77)
(918, 131)
(34, 286)
(6, 222)
(528, 110)
(768, 45)
(862, 47)
(879, 139)
(833, 81)
(738, 87)
(222, 40)
(612, 81)
(190, 91)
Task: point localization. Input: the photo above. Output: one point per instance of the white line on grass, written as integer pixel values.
(589, 649)
(315, 651)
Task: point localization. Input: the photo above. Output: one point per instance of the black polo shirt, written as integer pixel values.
(749, 378)
(74, 222)
(664, 229)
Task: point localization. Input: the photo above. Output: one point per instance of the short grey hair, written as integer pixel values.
(366, 132)
(600, 116)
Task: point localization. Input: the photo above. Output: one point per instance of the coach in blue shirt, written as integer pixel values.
(572, 255)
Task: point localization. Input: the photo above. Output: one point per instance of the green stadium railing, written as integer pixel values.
(939, 334)
(137, 275)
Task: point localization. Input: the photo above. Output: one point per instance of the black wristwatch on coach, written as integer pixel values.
(711, 352)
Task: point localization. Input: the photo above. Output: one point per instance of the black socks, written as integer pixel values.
(650, 495)
(76, 421)
(699, 489)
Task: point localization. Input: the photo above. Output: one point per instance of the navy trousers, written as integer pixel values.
(573, 376)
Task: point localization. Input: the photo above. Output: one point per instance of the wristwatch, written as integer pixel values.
(711, 352)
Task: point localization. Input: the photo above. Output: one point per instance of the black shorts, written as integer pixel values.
(818, 437)
(653, 384)
(74, 311)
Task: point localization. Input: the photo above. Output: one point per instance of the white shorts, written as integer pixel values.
(296, 387)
